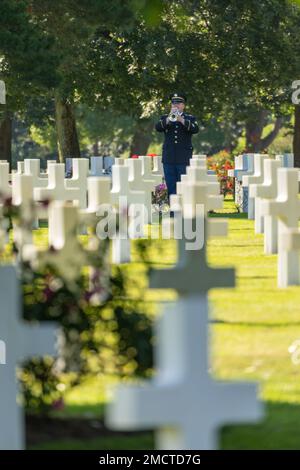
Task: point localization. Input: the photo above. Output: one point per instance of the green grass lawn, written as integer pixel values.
(252, 327)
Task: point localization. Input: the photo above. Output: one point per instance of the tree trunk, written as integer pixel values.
(296, 139)
(68, 144)
(6, 137)
(142, 137)
(254, 130)
(96, 149)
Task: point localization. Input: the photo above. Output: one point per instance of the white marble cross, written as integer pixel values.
(286, 207)
(257, 177)
(65, 253)
(5, 186)
(213, 188)
(2, 92)
(267, 190)
(138, 183)
(80, 170)
(98, 196)
(22, 340)
(240, 163)
(182, 402)
(199, 157)
(98, 192)
(20, 167)
(199, 193)
(158, 168)
(198, 163)
(243, 165)
(121, 187)
(126, 200)
(96, 166)
(147, 171)
(63, 237)
(121, 244)
(200, 174)
(286, 160)
(108, 163)
(32, 167)
(216, 227)
(57, 189)
(290, 240)
(22, 197)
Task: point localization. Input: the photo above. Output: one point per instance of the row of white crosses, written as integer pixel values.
(132, 180)
(275, 190)
(98, 165)
(132, 183)
(277, 211)
(64, 189)
(250, 165)
(286, 208)
(183, 403)
(63, 219)
(262, 185)
(125, 199)
(53, 185)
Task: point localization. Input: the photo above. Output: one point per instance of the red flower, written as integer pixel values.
(151, 155)
(228, 165)
(134, 156)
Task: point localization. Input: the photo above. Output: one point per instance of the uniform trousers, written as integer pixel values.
(173, 174)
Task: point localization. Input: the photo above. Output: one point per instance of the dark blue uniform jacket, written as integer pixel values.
(177, 147)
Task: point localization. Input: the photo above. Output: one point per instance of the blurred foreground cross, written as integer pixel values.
(2, 92)
(22, 340)
(183, 403)
(65, 255)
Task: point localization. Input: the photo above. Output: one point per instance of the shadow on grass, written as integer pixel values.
(254, 324)
(113, 442)
(242, 245)
(45, 432)
(278, 430)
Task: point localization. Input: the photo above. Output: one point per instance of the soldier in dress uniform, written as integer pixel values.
(178, 128)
